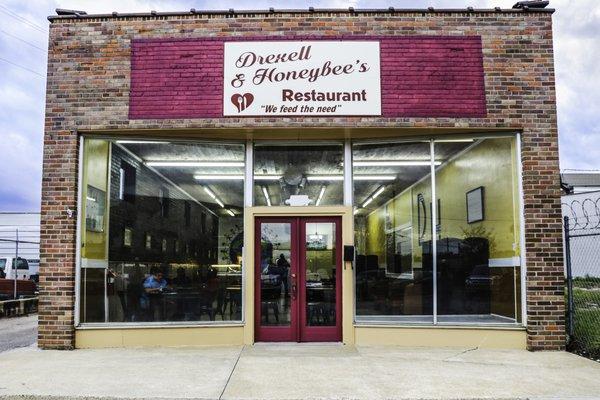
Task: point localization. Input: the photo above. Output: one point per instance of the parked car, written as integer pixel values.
(8, 271)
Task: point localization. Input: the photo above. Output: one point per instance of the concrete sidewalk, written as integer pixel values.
(297, 371)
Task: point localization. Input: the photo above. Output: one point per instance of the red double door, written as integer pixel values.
(298, 270)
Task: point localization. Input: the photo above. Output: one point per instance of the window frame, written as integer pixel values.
(431, 139)
(81, 218)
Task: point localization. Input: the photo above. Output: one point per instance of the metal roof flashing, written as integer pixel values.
(63, 14)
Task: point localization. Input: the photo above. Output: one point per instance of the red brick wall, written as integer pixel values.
(429, 76)
(88, 89)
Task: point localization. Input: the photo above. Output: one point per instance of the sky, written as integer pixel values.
(23, 46)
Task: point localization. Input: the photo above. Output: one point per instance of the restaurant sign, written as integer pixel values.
(301, 78)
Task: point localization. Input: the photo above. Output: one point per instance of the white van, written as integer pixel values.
(7, 269)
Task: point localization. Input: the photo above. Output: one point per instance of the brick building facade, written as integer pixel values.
(101, 82)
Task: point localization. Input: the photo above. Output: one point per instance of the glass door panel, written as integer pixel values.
(320, 279)
(320, 273)
(275, 269)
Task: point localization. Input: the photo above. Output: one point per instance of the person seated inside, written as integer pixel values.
(155, 282)
(154, 285)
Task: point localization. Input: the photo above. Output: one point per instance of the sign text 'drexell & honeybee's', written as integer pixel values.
(301, 78)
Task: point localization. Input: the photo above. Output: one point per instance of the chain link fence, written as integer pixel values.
(582, 256)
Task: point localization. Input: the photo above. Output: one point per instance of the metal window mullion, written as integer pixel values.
(348, 192)
(78, 233)
(248, 175)
(433, 230)
(248, 202)
(522, 234)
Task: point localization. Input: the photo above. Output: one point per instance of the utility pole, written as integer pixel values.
(16, 263)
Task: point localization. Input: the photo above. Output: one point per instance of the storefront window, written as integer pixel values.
(162, 236)
(478, 241)
(392, 192)
(476, 246)
(298, 174)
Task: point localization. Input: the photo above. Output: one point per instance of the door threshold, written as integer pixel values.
(298, 343)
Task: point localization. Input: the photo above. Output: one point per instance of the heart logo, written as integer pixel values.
(242, 101)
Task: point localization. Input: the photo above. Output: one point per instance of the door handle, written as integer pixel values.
(294, 287)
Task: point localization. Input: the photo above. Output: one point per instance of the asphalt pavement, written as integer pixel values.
(17, 332)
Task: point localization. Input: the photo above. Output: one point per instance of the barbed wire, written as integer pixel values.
(583, 214)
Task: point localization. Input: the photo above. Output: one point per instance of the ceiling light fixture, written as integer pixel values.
(378, 192)
(266, 194)
(392, 163)
(454, 140)
(141, 142)
(267, 177)
(374, 177)
(320, 195)
(214, 196)
(230, 212)
(373, 196)
(322, 178)
(237, 164)
(219, 177)
(367, 202)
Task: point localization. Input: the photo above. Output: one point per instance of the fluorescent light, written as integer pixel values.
(325, 178)
(214, 196)
(219, 177)
(356, 211)
(366, 203)
(378, 192)
(454, 140)
(267, 177)
(230, 212)
(237, 164)
(266, 194)
(392, 163)
(374, 177)
(90, 198)
(320, 195)
(141, 142)
(210, 192)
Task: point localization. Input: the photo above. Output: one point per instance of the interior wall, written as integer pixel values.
(95, 173)
(492, 164)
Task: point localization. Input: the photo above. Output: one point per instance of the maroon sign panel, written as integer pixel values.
(421, 76)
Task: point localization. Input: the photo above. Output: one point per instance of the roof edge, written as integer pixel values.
(312, 11)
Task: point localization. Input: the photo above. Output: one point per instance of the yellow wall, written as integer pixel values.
(492, 164)
(441, 337)
(163, 336)
(489, 164)
(95, 173)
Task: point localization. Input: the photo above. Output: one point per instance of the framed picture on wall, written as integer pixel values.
(475, 205)
(94, 209)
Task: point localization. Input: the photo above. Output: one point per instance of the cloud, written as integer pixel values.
(577, 54)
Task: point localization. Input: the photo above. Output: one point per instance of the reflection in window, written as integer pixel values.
(393, 275)
(320, 274)
(310, 174)
(478, 237)
(477, 245)
(133, 270)
(275, 266)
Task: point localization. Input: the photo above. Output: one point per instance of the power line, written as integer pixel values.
(22, 40)
(22, 67)
(16, 16)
